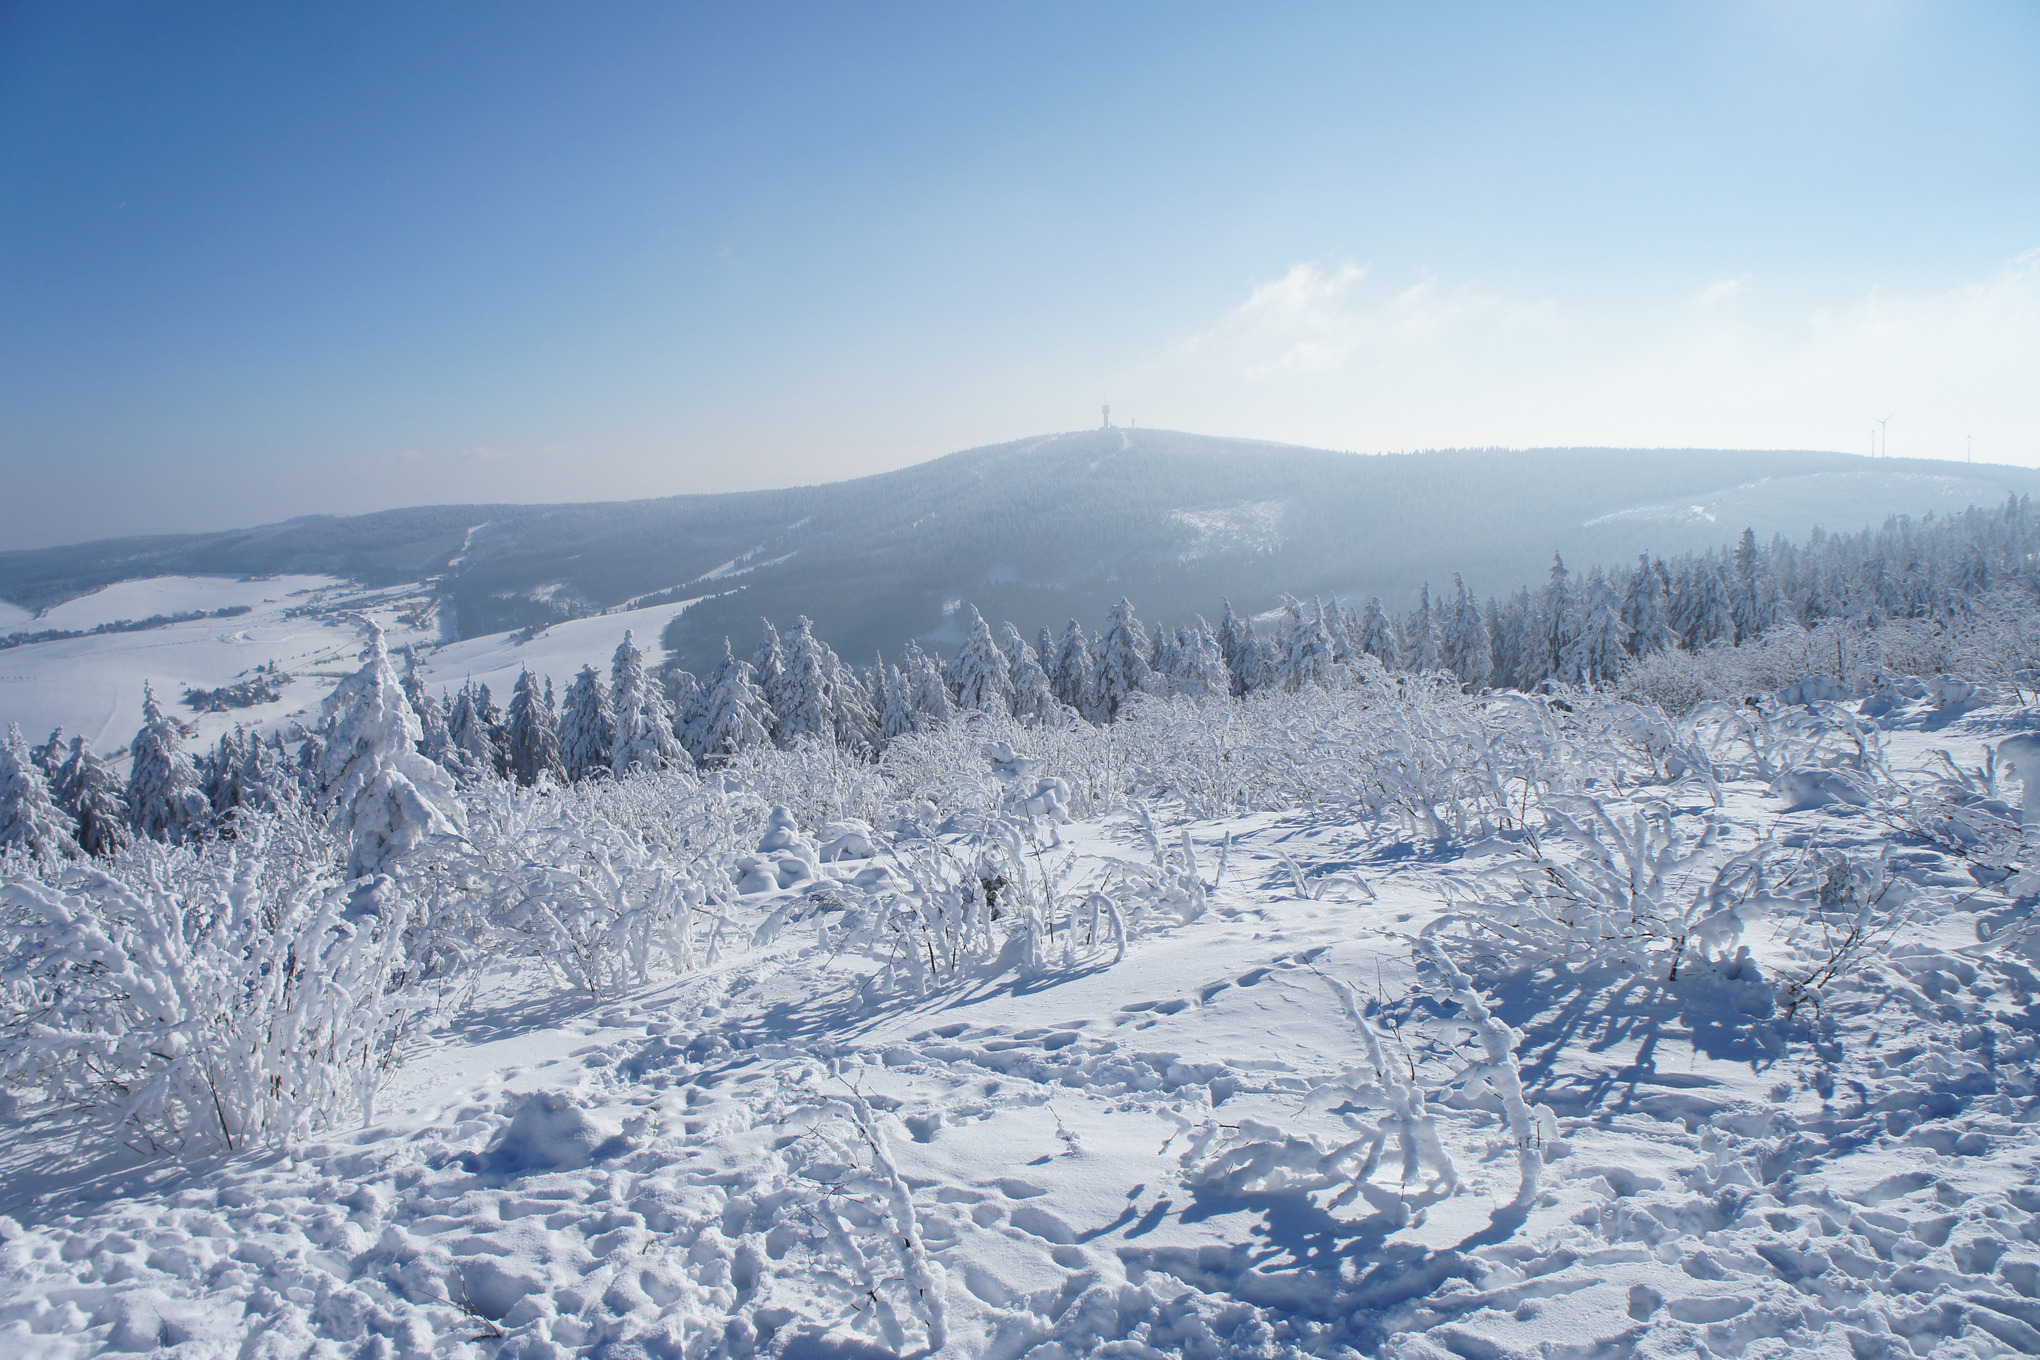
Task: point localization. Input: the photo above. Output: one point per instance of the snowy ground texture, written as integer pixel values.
(1185, 1151)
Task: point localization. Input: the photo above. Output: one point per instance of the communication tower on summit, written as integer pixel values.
(1107, 410)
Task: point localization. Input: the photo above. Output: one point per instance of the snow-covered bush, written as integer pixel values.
(201, 1000)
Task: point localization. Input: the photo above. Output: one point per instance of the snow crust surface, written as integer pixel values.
(647, 1175)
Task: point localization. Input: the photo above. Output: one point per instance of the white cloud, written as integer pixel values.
(1319, 356)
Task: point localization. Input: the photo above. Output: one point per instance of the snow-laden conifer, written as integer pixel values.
(163, 794)
(853, 705)
(49, 757)
(1376, 637)
(1426, 636)
(534, 733)
(768, 673)
(897, 715)
(735, 717)
(927, 690)
(1308, 650)
(384, 798)
(978, 675)
(1596, 653)
(587, 727)
(1469, 653)
(803, 702)
(30, 819)
(1646, 608)
(90, 790)
(1073, 672)
(1033, 697)
(1122, 666)
(644, 725)
(1202, 672)
(1240, 647)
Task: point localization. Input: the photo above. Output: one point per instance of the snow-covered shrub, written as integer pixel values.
(1641, 893)
(213, 1000)
(552, 878)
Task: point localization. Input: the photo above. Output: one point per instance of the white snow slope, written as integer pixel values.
(767, 1157)
(92, 686)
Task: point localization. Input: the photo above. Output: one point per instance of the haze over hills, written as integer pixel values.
(1053, 527)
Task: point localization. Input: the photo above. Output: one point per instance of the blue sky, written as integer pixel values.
(264, 261)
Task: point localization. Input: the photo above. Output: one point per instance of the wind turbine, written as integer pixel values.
(1884, 437)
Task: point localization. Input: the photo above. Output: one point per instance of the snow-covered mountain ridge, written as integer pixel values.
(1045, 529)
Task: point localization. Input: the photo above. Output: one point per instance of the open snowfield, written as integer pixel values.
(794, 1150)
(560, 651)
(92, 686)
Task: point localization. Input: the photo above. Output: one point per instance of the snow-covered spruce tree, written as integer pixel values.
(1240, 647)
(1427, 638)
(587, 727)
(163, 795)
(978, 676)
(1468, 652)
(803, 704)
(1034, 698)
(1122, 666)
(853, 705)
(735, 717)
(49, 757)
(471, 747)
(384, 798)
(1166, 660)
(768, 673)
(1646, 608)
(681, 688)
(1375, 636)
(1596, 655)
(1203, 672)
(897, 716)
(644, 726)
(1073, 671)
(90, 791)
(437, 739)
(534, 733)
(1304, 650)
(30, 819)
(1704, 613)
(926, 689)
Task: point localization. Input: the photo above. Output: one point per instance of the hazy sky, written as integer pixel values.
(257, 262)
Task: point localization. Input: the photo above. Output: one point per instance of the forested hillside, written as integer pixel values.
(1042, 530)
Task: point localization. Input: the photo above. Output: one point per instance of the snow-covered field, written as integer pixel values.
(497, 659)
(92, 686)
(1165, 1135)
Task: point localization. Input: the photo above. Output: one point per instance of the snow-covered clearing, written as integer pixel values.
(1145, 1124)
(558, 651)
(92, 686)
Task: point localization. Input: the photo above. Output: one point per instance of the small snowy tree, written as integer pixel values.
(1073, 672)
(1033, 697)
(897, 716)
(1427, 638)
(163, 795)
(1376, 636)
(926, 689)
(88, 788)
(534, 733)
(804, 704)
(385, 799)
(644, 725)
(1241, 649)
(735, 717)
(768, 673)
(30, 819)
(978, 675)
(49, 757)
(1646, 609)
(587, 727)
(1596, 654)
(853, 705)
(1203, 672)
(1123, 669)
(1469, 652)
